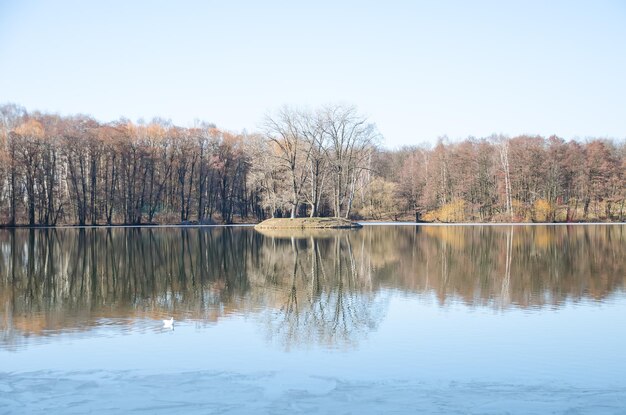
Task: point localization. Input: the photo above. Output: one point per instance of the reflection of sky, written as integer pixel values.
(578, 344)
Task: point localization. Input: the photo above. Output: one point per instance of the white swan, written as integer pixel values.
(168, 323)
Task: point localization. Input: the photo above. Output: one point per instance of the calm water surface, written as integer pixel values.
(404, 319)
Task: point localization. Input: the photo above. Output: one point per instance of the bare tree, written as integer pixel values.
(502, 144)
(412, 180)
(313, 133)
(11, 116)
(350, 141)
(285, 131)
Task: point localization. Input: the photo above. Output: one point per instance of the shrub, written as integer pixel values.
(450, 212)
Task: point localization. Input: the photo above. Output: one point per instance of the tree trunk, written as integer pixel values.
(12, 220)
(92, 196)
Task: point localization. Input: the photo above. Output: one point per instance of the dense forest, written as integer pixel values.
(325, 162)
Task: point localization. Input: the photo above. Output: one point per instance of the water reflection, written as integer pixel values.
(324, 289)
(318, 288)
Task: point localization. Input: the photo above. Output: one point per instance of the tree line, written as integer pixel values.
(58, 170)
(322, 162)
(523, 179)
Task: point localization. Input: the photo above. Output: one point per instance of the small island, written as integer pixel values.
(307, 223)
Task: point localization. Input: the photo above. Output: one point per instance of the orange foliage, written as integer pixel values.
(30, 128)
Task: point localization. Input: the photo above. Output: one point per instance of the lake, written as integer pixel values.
(383, 319)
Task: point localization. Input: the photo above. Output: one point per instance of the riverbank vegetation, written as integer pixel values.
(325, 162)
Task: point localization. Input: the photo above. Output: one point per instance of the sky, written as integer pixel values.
(418, 69)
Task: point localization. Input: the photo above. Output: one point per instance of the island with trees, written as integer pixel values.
(302, 163)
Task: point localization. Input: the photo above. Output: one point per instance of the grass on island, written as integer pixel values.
(307, 223)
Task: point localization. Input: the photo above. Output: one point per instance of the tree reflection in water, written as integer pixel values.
(328, 298)
(329, 288)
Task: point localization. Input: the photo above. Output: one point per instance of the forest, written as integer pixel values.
(328, 161)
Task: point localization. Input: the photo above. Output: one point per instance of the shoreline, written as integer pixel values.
(249, 225)
(489, 223)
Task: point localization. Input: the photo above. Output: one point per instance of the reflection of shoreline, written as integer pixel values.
(303, 233)
(22, 329)
(49, 277)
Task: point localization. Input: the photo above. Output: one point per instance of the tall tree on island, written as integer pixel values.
(351, 139)
(284, 131)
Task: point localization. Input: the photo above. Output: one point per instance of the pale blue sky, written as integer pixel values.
(418, 69)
